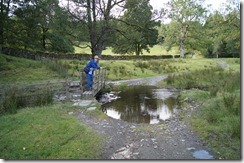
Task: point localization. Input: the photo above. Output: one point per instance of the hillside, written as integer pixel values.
(20, 71)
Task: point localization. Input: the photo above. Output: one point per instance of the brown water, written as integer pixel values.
(142, 104)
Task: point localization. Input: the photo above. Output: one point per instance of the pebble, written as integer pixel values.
(153, 140)
(136, 154)
(190, 149)
(121, 149)
(91, 109)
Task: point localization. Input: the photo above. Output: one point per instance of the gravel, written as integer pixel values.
(170, 139)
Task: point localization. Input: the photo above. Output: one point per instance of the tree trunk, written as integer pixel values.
(91, 16)
(97, 49)
(137, 49)
(97, 38)
(182, 42)
(44, 31)
(182, 49)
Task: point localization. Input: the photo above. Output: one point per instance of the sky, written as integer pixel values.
(215, 5)
(157, 4)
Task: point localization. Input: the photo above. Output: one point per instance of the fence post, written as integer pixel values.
(67, 84)
(98, 79)
(93, 83)
(80, 80)
(104, 75)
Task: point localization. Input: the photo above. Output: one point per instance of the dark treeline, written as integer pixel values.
(128, 26)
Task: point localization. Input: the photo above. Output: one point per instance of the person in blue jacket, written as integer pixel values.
(91, 66)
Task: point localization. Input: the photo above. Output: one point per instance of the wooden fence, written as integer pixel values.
(65, 90)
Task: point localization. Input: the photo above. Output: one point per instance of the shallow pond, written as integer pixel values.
(142, 104)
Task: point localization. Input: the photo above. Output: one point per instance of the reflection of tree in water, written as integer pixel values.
(171, 103)
(136, 103)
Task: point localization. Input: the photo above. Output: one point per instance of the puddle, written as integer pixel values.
(202, 154)
(142, 104)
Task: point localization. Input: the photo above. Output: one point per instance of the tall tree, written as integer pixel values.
(38, 26)
(7, 7)
(136, 28)
(223, 31)
(96, 15)
(183, 13)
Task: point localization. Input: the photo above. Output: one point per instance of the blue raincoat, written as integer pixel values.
(89, 76)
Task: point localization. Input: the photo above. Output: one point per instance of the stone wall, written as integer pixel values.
(42, 55)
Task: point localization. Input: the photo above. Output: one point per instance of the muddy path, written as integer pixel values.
(141, 81)
(170, 139)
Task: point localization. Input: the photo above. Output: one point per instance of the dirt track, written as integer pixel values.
(170, 139)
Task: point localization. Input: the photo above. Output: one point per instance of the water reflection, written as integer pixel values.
(142, 104)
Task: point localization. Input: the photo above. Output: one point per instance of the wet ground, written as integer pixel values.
(170, 138)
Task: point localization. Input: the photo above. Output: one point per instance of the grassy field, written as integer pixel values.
(119, 70)
(48, 132)
(217, 89)
(20, 71)
(45, 132)
(155, 50)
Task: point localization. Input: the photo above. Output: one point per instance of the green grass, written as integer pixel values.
(15, 98)
(161, 50)
(20, 71)
(119, 70)
(155, 50)
(47, 133)
(218, 91)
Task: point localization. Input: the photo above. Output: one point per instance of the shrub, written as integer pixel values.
(9, 102)
(214, 112)
(170, 79)
(15, 98)
(213, 91)
(232, 103)
(60, 68)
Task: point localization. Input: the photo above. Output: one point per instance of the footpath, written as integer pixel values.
(171, 139)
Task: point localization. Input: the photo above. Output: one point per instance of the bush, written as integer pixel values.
(213, 111)
(15, 98)
(9, 101)
(213, 91)
(232, 104)
(61, 69)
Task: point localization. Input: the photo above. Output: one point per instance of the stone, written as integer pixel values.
(190, 149)
(91, 109)
(123, 153)
(153, 140)
(83, 103)
(121, 149)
